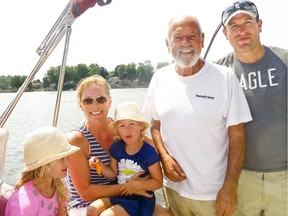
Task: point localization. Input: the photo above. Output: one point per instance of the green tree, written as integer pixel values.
(5, 82)
(93, 69)
(81, 71)
(70, 74)
(145, 71)
(104, 72)
(131, 72)
(17, 81)
(120, 72)
(51, 78)
(162, 64)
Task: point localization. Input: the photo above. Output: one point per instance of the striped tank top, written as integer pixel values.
(95, 150)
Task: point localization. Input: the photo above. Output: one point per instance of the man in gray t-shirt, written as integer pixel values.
(262, 73)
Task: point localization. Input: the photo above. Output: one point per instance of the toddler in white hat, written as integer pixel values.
(130, 156)
(41, 190)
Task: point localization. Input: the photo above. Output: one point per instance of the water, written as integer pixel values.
(35, 109)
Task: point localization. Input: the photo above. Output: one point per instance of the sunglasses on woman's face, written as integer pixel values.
(99, 100)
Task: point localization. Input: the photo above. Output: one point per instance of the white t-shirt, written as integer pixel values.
(195, 113)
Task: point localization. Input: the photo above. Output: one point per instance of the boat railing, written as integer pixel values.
(61, 27)
(54, 36)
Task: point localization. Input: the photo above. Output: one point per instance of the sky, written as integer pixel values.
(122, 32)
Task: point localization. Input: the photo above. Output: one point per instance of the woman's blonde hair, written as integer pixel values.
(38, 176)
(87, 81)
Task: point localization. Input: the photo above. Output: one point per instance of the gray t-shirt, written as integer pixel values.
(265, 86)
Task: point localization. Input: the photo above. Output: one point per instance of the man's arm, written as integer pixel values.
(171, 167)
(227, 197)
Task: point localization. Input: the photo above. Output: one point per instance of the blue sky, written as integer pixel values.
(123, 32)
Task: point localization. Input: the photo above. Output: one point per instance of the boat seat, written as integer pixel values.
(3, 140)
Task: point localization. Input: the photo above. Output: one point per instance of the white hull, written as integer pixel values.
(6, 191)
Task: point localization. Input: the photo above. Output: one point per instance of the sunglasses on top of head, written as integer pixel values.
(240, 5)
(89, 101)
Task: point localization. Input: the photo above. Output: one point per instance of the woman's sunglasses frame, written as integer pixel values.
(89, 101)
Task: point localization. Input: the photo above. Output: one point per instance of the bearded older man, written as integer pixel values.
(198, 113)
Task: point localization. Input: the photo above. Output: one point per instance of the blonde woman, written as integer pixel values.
(94, 137)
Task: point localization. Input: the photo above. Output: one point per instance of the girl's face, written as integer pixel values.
(130, 131)
(95, 103)
(59, 168)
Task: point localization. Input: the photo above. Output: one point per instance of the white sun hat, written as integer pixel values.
(45, 145)
(128, 110)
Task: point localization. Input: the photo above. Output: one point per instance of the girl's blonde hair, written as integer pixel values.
(87, 81)
(38, 176)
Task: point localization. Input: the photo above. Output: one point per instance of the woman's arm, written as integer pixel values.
(79, 170)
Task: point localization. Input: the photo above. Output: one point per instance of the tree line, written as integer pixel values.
(130, 75)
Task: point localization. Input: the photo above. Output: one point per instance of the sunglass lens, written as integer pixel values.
(87, 101)
(101, 100)
(227, 13)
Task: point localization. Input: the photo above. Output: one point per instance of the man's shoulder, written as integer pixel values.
(280, 52)
(164, 71)
(226, 60)
(277, 49)
(166, 68)
(219, 69)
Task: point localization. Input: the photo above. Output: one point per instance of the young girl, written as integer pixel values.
(130, 155)
(40, 190)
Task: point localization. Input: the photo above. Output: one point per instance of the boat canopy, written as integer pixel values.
(78, 7)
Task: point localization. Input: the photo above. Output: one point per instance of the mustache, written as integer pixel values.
(186, 49)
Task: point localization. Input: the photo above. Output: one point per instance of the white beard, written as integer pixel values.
(185, 62)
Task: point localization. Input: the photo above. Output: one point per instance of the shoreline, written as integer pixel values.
(48, 90)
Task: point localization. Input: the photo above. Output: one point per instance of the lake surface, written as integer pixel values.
(35, 109)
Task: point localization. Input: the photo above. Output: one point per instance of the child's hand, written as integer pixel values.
(143, 193)
(129, 188)
(132, 187)
(94, 162)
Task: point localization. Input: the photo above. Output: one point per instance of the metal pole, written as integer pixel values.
(212, 39)
(46, 49)
(61, 77)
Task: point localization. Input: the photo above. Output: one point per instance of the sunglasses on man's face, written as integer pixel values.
(241, 5)
(89, 101)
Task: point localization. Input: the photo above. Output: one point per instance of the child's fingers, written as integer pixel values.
(92, 162)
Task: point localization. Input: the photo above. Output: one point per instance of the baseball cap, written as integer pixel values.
(246, 7)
